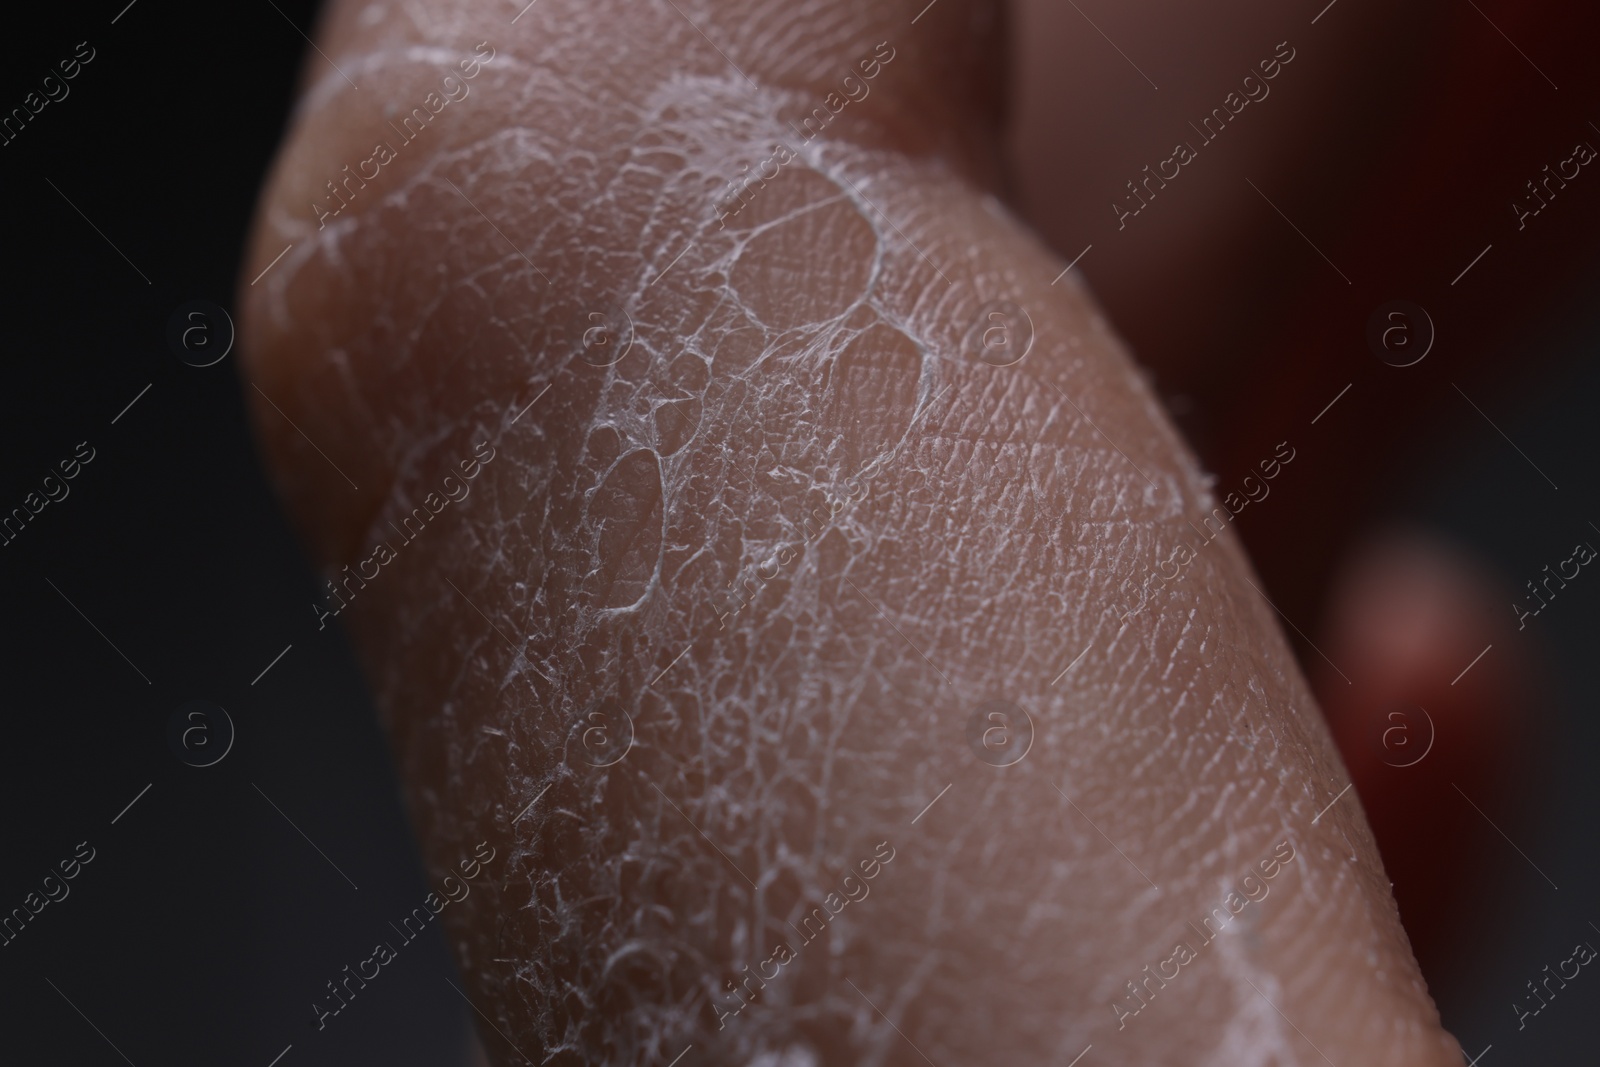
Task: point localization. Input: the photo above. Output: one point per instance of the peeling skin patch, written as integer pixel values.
(776, 273)
(771, 361)
(625, 512)
(792, 1056)
(1256, 1035)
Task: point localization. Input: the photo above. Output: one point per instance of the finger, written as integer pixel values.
(795, 544)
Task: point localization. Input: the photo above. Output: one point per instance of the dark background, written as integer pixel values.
(208, 922)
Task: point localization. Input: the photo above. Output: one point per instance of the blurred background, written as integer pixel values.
(1443, 460)
(209, 920)
(1373, 256)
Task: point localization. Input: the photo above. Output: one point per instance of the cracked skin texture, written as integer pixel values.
(812, 350)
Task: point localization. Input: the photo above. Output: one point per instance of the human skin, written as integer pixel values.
(1228, 305)
(831, 327)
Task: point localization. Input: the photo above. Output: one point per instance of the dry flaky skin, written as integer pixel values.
(825, 329)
